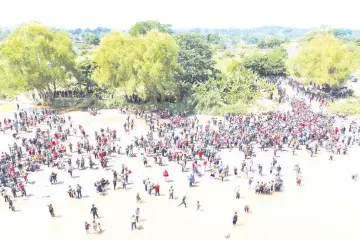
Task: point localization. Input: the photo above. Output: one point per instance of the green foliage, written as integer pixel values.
(142, 65)
(195, 57)
(324, 60)
(214, 38)
(142, 28)
(92, 39)
(238, 86)
(270, 43)
(347, 107)
(85, 69)
(37, 57)
(271, 63)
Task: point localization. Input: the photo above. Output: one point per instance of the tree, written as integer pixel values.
(142, 65)
(324, 60)
(92, 39)
(195, 57)
(85, 69)
(214, 38)
(39, 57)
(271, 63)
(239, 85)
(142, 28)
(270, 43)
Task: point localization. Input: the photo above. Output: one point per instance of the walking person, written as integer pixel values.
(51, 210)
(133, 222)
(183, 202)
(235, 219)
(78, 191)
(87, 227)
(137, 214)
(198, 206)
(171, 192)
(94, 224)
(94, 211)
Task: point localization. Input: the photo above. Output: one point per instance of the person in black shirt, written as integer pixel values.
(94, 211)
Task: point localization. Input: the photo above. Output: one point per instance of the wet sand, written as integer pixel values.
(325, 207)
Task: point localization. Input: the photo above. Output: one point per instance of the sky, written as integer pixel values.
(122, 14)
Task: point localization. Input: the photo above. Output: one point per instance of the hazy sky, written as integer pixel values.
(122, 14)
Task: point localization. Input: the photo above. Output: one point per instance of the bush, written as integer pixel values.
(347, 107)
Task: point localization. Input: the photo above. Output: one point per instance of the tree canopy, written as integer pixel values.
(195, 57)
(38, 57)
(270, 43)
(271, 63)
(92, 39)
(238, 87)
(142, 28)
(324, 60)
(142, 65)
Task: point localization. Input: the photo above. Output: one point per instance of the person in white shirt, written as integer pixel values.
(133, 222)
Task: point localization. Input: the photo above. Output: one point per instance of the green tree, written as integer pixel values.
(92, 39)
(38, 57)
(142, 65)
(195, 57)
(239, 85)
(270, 43)
(271, 63)
(324, 60)
(142, 28)
(85, 69)
(214, 38)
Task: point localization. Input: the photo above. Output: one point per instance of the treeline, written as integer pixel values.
(151, 63)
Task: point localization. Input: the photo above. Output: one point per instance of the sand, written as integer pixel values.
(325, 207)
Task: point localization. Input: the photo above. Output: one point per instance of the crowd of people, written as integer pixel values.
(45, 139)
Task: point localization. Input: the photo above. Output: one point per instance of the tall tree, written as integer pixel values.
(40, 57)
(142, 28)
(324, 60)
(195, 57)
(142, 65)
(85, 69)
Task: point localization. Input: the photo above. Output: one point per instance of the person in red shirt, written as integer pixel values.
(200, 154)
(157, 190)
(166, 174)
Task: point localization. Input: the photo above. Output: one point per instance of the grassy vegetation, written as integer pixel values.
(347, 107)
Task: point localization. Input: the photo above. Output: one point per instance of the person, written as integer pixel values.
(99, 226)
(198, 206)
(94, 224)
(11, 206)
(247, 209)
(87, 227)
(133, 222)
(235, 218)
(137, 214)
(237, 191)
(51, 210)
(171, 193)
(94, 211)
(183, 202)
